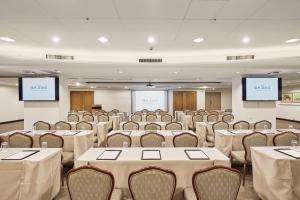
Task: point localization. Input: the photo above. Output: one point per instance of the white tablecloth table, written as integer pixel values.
(36, 177)
(173, 159)
(276, 176)
(143, 124)
(78, 143)
(136, 135)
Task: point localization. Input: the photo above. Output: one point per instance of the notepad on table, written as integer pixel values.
(196, 155)
(21, 155)
(109, 155)
(70, 133)
(176, 132)
(126, 132)
(290, 152)
(151, 155)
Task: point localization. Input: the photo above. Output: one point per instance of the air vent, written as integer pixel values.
(59, 57)
(242, 57)
(150, 60)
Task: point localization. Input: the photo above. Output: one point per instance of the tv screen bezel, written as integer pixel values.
(56, 79)
(244, 88)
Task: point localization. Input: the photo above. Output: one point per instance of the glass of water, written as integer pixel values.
(44, 145)
(291, 126)
(4, 146)
(125, 144)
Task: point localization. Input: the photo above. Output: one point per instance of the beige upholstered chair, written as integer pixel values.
(90, 183)
(20, 140)
(103, 118)
(117, 140)
(228, 117)
(203, 112)
(264, 124)
(84, 126)
(215, 183)
(162, 113)
(174, 126)
(212, 118)
(61, 125)
(158, 110)
(111, 114)
(144, 110)
(241, 125)
(189, 112)
(151, 113)
(214, 112)
(138, 113)
(130, 125)
(152, 126)
(152, 140)
(41, 125)
(152, 183)
(115, 111)
(88, 118)
(136, 118)
(73, 118)
(166, 118)
(151, 118)
(228, 110)
(220, 125)
(195, 119)
(100, 112)
(185, 140)
(284, 139)
(255, 139)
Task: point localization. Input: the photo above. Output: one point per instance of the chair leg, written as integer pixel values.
(62, 175)
(244, 173)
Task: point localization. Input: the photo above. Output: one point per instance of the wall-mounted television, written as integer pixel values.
(39, 89)
(262, 89)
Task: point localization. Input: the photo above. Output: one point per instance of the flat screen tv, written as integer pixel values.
(262, 89)
(39, 89)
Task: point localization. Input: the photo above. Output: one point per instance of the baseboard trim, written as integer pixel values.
(290, 120)
(12, 121)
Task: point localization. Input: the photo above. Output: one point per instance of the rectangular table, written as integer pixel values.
(173, 159)
(78, 143)
(143, 124)
(136, 135)
(35, 177)
(144, 117)
(276, 176)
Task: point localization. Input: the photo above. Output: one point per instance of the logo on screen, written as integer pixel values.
(150, 100)
(262, 87)
(39, 87)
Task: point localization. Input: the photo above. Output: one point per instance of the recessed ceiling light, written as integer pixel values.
(175, 72)
(292, 40)
(120, 72)
(92, 87)
(298, 72)
(151, 40)
(103, 39)
(126, 87)
(55, 39)
(77, 84)
(17, 84)
(179, 86)
(237, 72)
(204, 87)
(198, 40)
(7, 39)
(245, 40)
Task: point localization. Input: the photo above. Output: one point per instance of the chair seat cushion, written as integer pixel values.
(238, 156)
(67, 157)
(116, 194)
(189, 194)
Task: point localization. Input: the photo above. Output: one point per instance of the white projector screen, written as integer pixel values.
(262, 89)
(150, 100)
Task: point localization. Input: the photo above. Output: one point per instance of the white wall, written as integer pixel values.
(11, 108)
(110, 99)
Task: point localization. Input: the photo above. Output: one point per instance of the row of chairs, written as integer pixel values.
(131, 125)
(151, 183)
(153, 139)
(62, 125)
(151, 118)
(88, 118)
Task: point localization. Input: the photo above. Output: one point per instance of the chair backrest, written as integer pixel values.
(242, 125)
(84, 126)
(189, 112)
(214, 112)
(152, 140)
(103, 118)
(20, 140)
(151, 118)
(152, 183)
(166, 118)
(264, 124)
(228, 110)
(144, 110)
(88, 118)
(185, 140)
(138, 113)
(212, 118)
(61, 125)
(136, 118)
(53, 141)
(162, 113)
(111, 113)
(90, 183)
(158, 110)
(115, 111)
(117, 140)
(228, 117)
(284, 139)
(220, 125)
(174, 126)
(197, 118)
(152, 126)
(73, 118)
(130, 125)
(217, 182)
(100, 112)
(203, 112)
(255, 139)
(41, 125)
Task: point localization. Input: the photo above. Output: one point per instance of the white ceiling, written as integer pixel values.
(128, 23)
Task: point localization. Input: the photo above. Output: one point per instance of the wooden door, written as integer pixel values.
(212, 101)
(82, 100)
(184, 100)
(177, 101)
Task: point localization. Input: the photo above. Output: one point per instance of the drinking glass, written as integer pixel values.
(4, 146)
(44, 145)
(291, 126)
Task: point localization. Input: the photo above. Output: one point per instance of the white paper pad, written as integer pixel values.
(241, 131)
(126, 132)
(70, 133)
(20, 155)
(109, 155)
(151, 155)
(196, 155)
(290, 152)
(176, 132)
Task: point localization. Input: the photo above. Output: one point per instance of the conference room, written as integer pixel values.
(150, 100)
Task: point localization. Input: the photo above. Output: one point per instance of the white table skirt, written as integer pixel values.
(36, 177)
(275, 176)
(173, 159)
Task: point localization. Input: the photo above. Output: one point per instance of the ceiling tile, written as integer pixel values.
(204, 9)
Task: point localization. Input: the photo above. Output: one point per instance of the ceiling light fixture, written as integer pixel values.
(7, 39)
(179, 87)
(92, 87)
(292, 40)
(55, 39)
(198, 40)
(175, 72)
(103, 39)
(246, 40)
(126, 87)
(151, 40)
(237, 72)
(77, 84)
